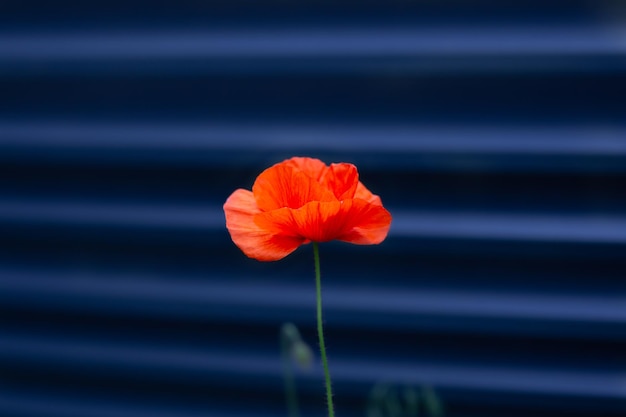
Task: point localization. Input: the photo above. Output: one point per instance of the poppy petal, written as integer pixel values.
(354, 221)
(370, 223)
(312, 167)
(363, 193)
(314, 221)
(342, 179)
(256, 242)
(282, 185)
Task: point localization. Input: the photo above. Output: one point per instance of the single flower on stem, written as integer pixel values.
(303, 200)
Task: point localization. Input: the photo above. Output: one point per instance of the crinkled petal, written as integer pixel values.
(342, 179)
(364, 194)
(352, 220)
(312, 167)
(256, 242)
(282, 185)
(370, 223)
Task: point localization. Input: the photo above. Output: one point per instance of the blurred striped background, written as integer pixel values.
(493, 131)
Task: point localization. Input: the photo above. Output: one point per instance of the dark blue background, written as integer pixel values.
(493, 131)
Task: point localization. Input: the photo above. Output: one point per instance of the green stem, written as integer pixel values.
(320, 329)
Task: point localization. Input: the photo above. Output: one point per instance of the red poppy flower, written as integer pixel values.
(302, 200)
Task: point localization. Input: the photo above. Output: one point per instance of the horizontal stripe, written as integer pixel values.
(391, 147)
(356, 305)
(407, 223)
(315, 42)
(204, 366)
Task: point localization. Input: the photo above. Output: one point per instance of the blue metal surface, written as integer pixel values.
(493, 131)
